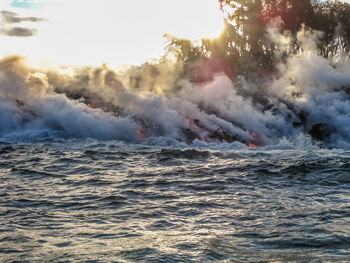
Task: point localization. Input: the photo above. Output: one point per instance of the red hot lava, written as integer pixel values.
(140, 134)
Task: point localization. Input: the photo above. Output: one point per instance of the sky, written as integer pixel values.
(102, 31)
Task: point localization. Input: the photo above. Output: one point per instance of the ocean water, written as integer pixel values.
(222, 170)
(84, 200)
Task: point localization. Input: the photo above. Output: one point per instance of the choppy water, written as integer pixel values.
(93, 201)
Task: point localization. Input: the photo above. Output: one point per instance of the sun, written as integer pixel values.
(112, 31)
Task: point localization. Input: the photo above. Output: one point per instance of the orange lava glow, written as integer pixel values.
(187, 121)
(92, 106)
(252, 145)
(255, 134)
(140, 134)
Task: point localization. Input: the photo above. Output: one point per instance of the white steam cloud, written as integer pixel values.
(309, 95)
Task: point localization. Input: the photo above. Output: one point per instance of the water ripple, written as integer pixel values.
(89, 201)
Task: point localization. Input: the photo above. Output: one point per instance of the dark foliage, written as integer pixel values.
(244, 46)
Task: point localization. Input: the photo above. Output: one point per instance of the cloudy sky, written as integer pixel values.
(98, 31)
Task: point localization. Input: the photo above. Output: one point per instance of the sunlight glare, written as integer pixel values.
(115, 32)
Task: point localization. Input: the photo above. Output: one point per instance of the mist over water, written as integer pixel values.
(307, 96)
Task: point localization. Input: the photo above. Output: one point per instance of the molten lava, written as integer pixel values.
(92, 106)
(140, 134)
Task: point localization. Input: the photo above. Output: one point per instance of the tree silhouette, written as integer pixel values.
(244, 44)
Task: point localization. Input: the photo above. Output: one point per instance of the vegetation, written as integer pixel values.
(244, 47)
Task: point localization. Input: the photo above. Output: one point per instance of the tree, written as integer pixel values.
(244, 44)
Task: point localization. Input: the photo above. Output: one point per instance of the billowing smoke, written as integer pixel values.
(30, 103)
(309, 95)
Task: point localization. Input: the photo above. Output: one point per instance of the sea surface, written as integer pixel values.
(83, 200)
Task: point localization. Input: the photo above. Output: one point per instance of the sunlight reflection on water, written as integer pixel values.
(129, 203)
